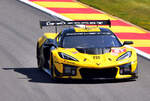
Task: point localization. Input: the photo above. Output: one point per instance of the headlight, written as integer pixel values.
(68, 57)
(125, 55)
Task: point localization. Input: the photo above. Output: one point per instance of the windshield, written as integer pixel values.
(90, 41)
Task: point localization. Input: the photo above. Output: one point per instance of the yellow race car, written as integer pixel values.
(85, 52)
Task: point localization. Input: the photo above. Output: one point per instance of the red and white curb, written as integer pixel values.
(54, 14)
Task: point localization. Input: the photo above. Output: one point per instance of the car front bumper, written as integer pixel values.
(124, 71)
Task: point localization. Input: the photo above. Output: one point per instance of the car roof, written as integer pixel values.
(88, 29)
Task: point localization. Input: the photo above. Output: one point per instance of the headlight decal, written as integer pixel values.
(125, 55)
(67, 57)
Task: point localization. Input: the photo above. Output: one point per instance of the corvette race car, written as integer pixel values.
(85, 52)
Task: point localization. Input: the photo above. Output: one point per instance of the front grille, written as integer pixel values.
(87, 73)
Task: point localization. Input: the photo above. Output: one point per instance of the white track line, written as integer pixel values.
(140, 52)
(45, 10)
(67, 19)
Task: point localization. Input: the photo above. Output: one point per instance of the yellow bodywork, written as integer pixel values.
(45, 37)
(107, 60)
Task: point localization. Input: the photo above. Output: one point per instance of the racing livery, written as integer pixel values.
(85, 53)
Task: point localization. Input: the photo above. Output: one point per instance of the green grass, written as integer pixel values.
(134, 11)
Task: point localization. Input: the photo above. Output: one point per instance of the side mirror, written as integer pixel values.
(127, 42)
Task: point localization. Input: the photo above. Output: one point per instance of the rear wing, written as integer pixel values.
(61, 23)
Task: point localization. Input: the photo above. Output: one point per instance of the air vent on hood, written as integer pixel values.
(94, 50)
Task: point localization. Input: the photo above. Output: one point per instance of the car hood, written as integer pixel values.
(96, 57)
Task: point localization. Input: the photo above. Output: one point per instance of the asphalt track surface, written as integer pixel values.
(20, 80)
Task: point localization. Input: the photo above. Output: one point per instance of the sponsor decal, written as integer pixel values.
(96, 57)
(87, 33)
(116, 51)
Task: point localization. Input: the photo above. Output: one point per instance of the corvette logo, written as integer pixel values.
(98, 64)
